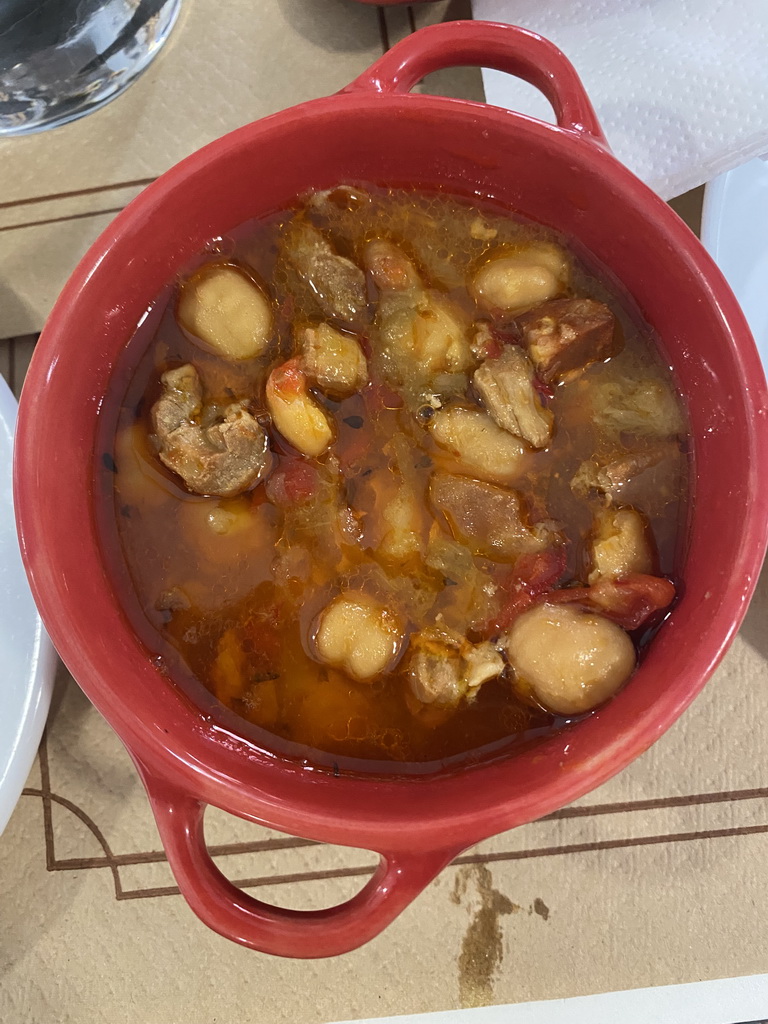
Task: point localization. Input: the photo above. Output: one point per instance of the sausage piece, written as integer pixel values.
(566, 335)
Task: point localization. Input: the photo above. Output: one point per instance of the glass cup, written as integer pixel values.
(61, 59)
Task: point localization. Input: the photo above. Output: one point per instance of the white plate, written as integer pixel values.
(27, 660)
(734, 228)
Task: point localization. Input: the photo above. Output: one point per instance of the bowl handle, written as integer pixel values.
(487, 44)
(397, 880)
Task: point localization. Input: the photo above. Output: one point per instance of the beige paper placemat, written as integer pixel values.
(224, 65)
(657, 878)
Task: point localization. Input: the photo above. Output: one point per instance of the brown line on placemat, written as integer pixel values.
(45, 793)
(657, 803)
(383, 29)
(158, 856)
(472, 858)
(411, 18)
(253, 883)
(52, 864)
(115, 860)
(58, 220)
(138, 183)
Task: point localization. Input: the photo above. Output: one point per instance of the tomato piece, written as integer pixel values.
(533, 576)
(294, 482)
(629, 601)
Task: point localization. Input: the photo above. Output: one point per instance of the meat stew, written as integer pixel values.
(396, 477)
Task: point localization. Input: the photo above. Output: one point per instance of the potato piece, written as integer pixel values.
(223, 307)
(445, 667)
(295, 413)
(619, 545)
(332, 711)
(228, 670)
(510, 283)
(506, 388)
(490, 520)
(358, 635)
(139, 481)
(573, 660)
(225, 533)
(334, 360)
(480, 446)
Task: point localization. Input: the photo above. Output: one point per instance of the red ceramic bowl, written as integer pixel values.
(561, 175)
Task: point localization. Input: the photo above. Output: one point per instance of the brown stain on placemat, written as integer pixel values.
(482, 948)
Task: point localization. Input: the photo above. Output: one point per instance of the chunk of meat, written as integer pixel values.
(619, 544)
(444, 667)
(490, 520)
(358, 635)
(611, 476)
(564, 336)
(334, 361)
(630, 602)
(226, 458)
(223, 306)
(571, 659)
(295, 412)
(337, 283)
(512, 282)
(506, 388)
(478, 445)
(647, 407)
(422, 333)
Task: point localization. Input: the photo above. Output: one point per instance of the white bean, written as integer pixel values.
(358, 635)
(334, 360)
(478, 444)
(573, 660)
(619, 545)
(295, 413)
(515, 282)
(227, 311)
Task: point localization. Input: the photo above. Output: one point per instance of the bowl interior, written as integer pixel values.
(547, 174)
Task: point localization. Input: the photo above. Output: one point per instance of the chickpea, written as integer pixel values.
(515, 282)
(573, 660)
(620, 544)
(227, 311)
(302, 422)
(358, 635)
(481, 447)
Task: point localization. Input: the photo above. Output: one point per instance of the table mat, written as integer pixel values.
(223, 66)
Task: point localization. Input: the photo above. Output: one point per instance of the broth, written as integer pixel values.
(235, 590)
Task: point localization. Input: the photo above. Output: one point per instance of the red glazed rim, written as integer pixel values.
(186, 760)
